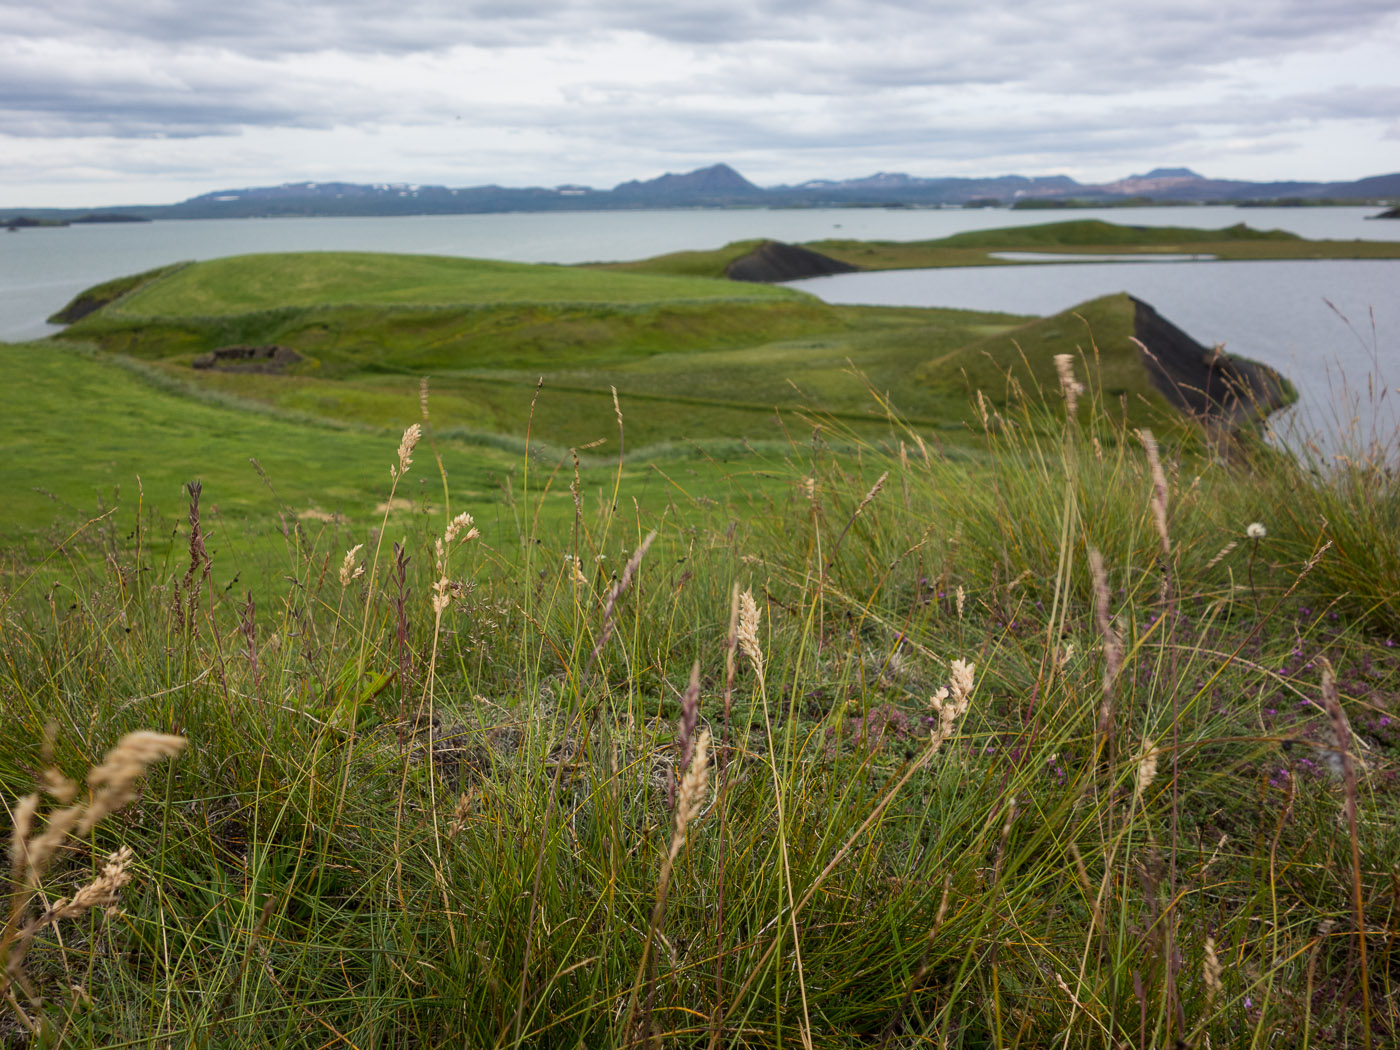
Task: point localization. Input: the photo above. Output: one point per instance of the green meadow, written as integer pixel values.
(560, 657)
(975, 248)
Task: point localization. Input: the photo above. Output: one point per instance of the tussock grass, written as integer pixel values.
(1035, 748)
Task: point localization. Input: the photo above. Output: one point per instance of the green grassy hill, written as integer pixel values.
(696, 358)
(975, 248)
(248, 283)
(508, 350)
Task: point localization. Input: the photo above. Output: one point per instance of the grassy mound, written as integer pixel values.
(975, 248)
(697, 359)
(102, 295)
(250, 283)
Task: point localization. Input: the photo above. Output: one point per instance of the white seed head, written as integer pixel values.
(1256, 531)
(113, 783)
(1212, 969)
(349, 571)
(1147, 766)
(407, 444)
(749, 616)
(693, 790)
(461, 527)
(442, 595)
(1069, 386)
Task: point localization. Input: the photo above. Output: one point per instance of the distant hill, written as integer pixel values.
(718, 186)
(719, 181)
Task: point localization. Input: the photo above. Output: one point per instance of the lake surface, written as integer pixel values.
(1332, 326)
(41, 269)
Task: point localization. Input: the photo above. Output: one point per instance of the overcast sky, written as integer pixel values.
(153, 101)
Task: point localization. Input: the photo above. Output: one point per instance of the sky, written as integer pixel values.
(154, 101)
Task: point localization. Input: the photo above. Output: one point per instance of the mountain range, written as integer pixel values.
(720, 186)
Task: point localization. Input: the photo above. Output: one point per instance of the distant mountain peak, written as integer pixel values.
(717, 178)
(1169, 173)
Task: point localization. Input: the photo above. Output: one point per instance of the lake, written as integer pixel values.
(42, 268)
(1332, 326)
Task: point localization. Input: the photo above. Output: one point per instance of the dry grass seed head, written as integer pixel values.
(349, 571)
(1146, 766)
(1159, 487)
(102, 891)
(1069, 386)
(749, 616)
(1212, 969)
(693, 790)
(113, 783)
(463, 527)
(407, 444)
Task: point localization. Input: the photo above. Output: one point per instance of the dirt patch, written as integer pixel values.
(774, 261)
(264, 360)
(316, 514)
(1205, 382)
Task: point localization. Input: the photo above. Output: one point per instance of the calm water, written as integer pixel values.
(41, 269)
(1331, 326)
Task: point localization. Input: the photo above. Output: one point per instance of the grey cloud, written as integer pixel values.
(871, 78)
(1090, 32)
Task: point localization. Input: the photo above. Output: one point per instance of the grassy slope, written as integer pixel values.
(248, 283)
(697, 357)
(425, 880)
(81, 430)
(299, 885)
(1088, 235)
(1097, 333)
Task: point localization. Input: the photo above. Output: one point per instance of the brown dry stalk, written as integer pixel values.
(1159, 491)
(690, 715)
(731, 646)
(866, 500)
(1112, 646)
(694, 788)
(616, 592)
(112, 784)
(1341, 730)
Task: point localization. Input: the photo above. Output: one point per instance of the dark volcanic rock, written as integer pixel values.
(774, 261)
(1393, 213)
(268, 360)
(1206, 383)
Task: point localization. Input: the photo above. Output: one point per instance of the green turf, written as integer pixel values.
(975, 248)
(690, 369)
(248, 283)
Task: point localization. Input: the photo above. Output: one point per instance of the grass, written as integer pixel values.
(1053, 735)
(700, 363)
(248, 283)
(401, 824)
(976, 248)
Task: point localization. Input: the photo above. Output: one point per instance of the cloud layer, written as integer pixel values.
(528, 91)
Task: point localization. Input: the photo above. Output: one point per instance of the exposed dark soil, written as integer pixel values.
(98, 296)
(774, 261)
(1205, 382)
(267, 360)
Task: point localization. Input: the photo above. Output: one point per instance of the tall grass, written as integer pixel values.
(1032, 750)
